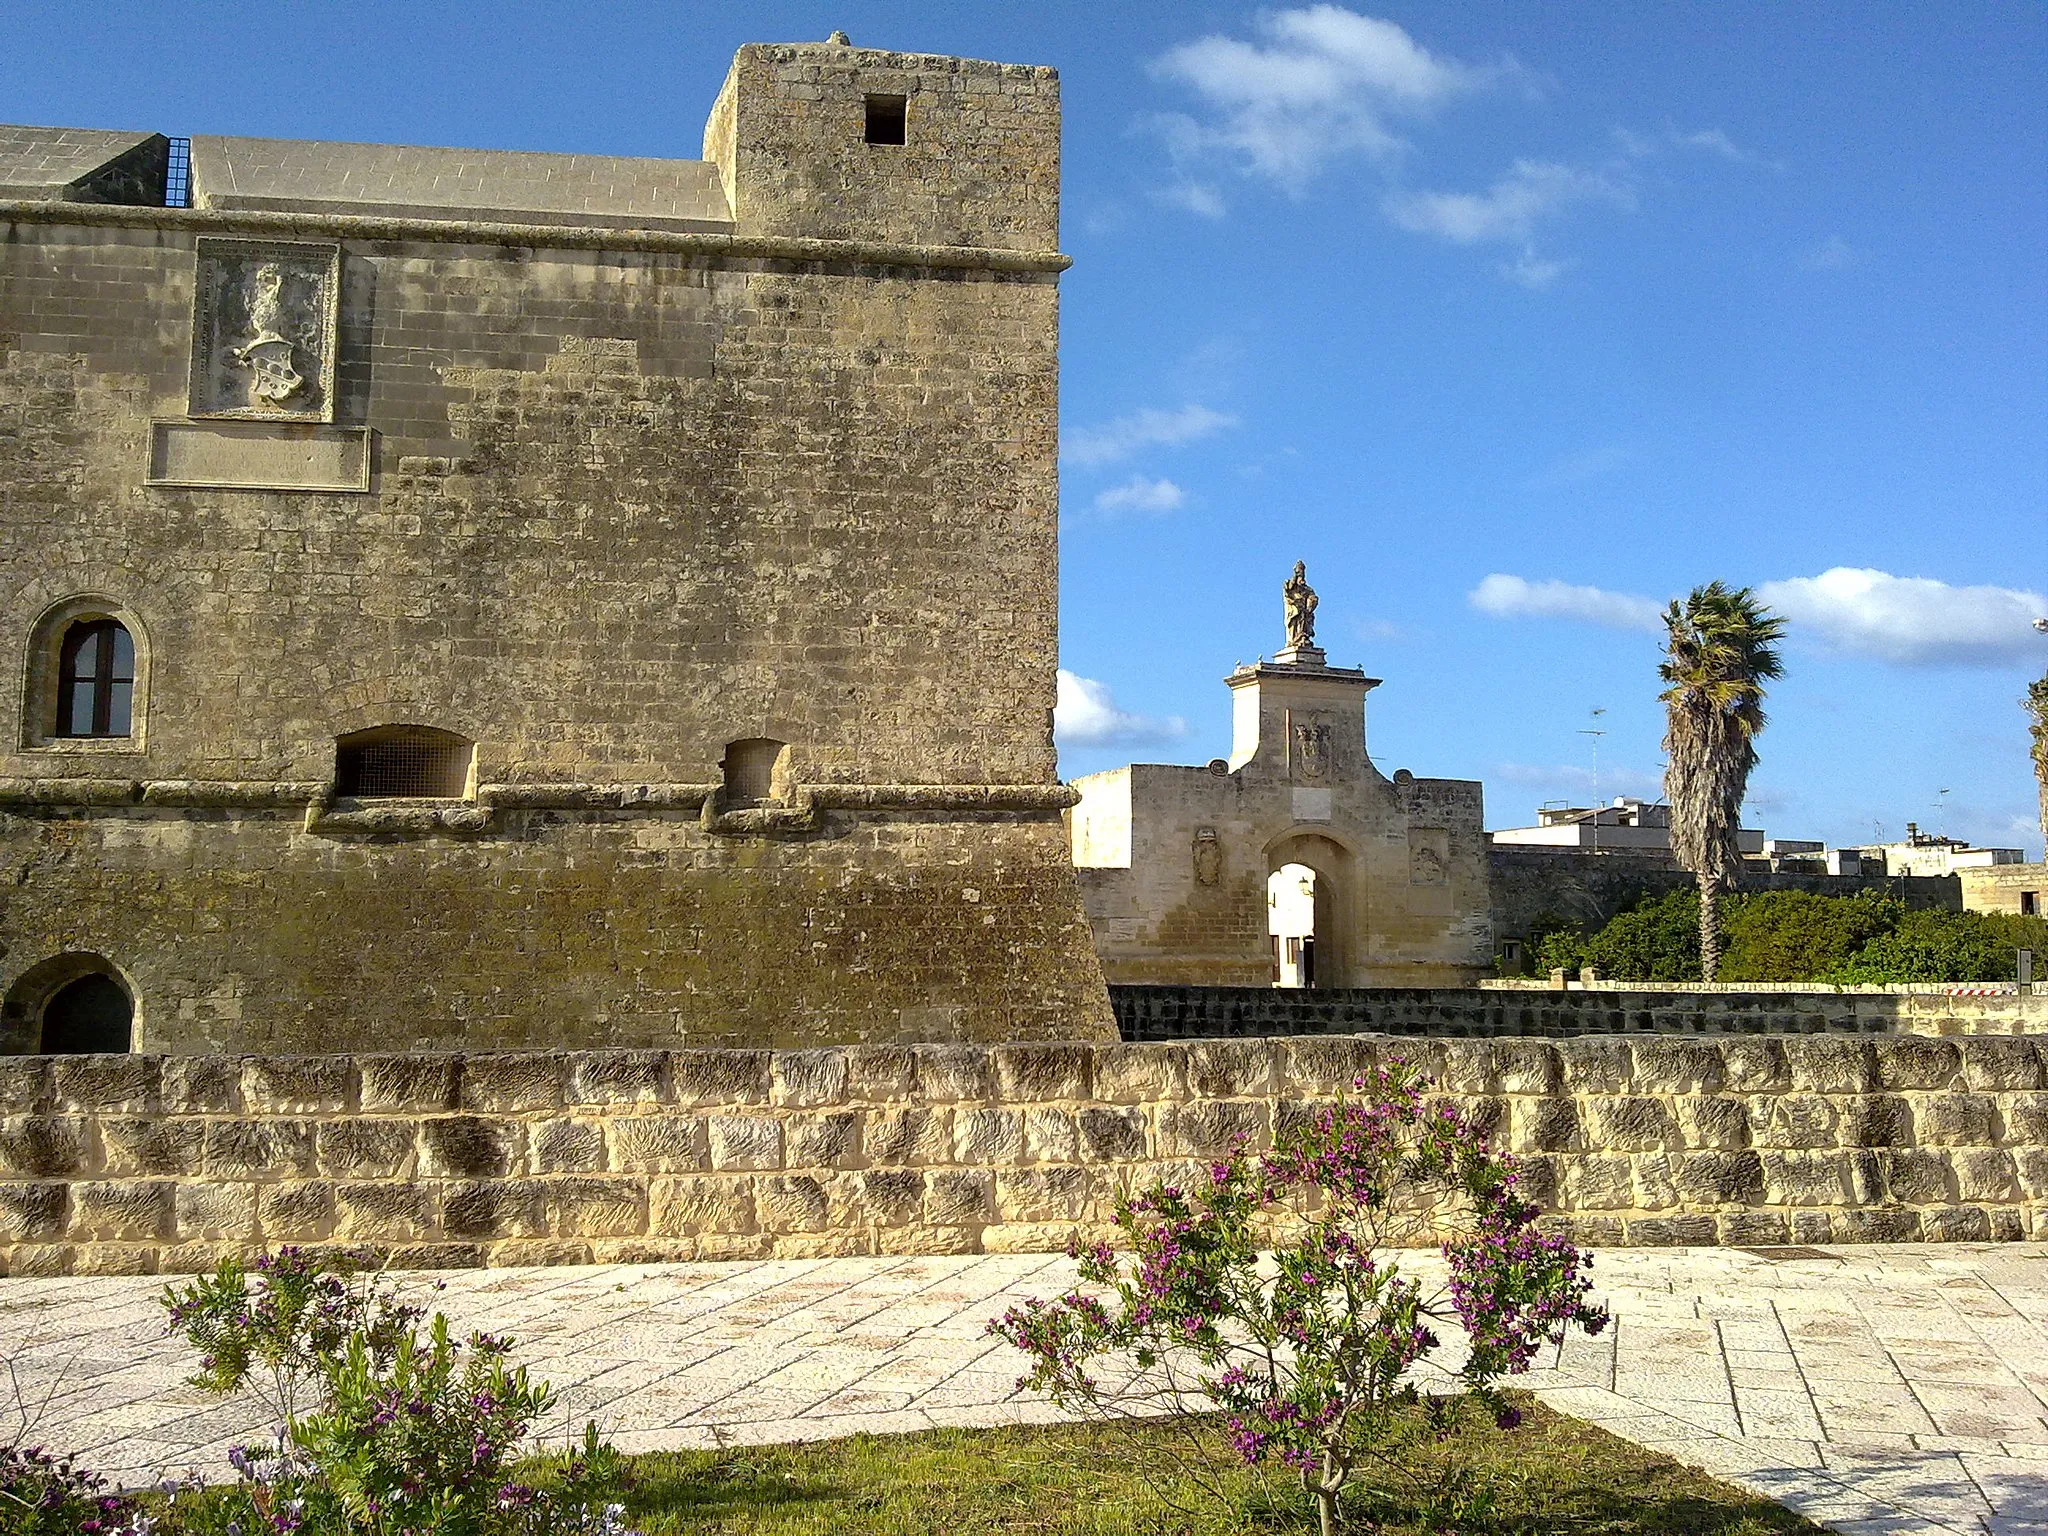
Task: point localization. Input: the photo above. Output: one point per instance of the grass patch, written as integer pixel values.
(1554, 1474)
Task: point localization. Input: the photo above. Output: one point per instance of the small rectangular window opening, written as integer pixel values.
(887, 118)
(178, 175)
(2030, 903)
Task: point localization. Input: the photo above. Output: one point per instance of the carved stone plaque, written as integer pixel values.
(260, 456)
(1208, 856)
(264, 315)
(1429, 856)
(1311, 747)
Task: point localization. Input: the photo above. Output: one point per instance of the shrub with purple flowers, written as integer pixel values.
(1266, 1290)
(47, 1495)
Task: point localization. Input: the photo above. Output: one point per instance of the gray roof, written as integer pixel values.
(41, 163)
(405, 181)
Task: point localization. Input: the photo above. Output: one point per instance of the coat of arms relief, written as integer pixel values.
(263, 330)
(1311, 748)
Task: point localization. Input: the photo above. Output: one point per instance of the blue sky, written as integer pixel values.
(1513, 321)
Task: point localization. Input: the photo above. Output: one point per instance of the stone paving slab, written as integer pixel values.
(1875, 1390)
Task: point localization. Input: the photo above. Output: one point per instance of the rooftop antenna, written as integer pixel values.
(1596, 732)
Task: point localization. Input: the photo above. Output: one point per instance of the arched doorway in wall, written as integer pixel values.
(69, 1005)
(1311, 913)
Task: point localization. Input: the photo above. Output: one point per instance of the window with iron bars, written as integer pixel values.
(178, 175)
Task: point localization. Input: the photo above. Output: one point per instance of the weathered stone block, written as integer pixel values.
(2025, 1117)
(1537, 1179)
(1485, 1115)
(1877, 1226)
(1632, 1123)
(50, 1147)
(1876, 1120)
(1713, 1122)
(468, 1147)
(1753, 1064)
(953, 1074)
(824, 1140)
(1946, 1224)
(151, 1147)
(119, 1084)
(1458, 1066)
(2030, 1162)
(1829, 1064)
(215, 1211)
(383, 1212)
(295, 1213)
(297, 1085)
(959, 1197)
(1596, 1182)
(659, 1143)
(1813, 1227)
(1211, 1128)
(1677, 1066)
(1802, 1178)
(491, 1208)
(567, 1146)
(1111, 1135)
(1041, 1194)
(1672, 1231)
(595, 1207)
(1796, 1121)
(1915, 1062)
(259, 1149)
(1655, 1176)
(687, 1206)
(201, 1085)
(987, 1138)
(880, 1074)
(1990, 1063)
(1720, 1178)
(886, 1197)
(116, 1209)
(1984, 1174)
(1038, 1073)
(510, 1081)
(1050, 1135)
(904, 1137)
(420, 1085)
(366, 1149)
(808, 1078)
(1527, 1066)
(1914, 1176)
(618, 1077)
(1595, 1064)
(1228, 1069)
(33, 1213)
(745, 1142)
(24, 1085)
(793, 1203)
(719, 1077)
(1954, 1119)
(1311, 1066)
(530, 1251)
(1752, 1229)
(116, 1259)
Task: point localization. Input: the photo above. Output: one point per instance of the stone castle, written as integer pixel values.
(467, 599)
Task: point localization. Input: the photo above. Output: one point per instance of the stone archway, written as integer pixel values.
(69, 1004)
(1339, 918)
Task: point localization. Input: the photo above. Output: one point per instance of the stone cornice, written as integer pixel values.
(270, 224)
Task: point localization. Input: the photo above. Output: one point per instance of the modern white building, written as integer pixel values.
(1628, 825)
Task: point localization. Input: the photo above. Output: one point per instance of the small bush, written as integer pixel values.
(1946, 946)
(1799, 935)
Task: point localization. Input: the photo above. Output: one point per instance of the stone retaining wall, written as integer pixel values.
(1189, 1013)
(140, 1163)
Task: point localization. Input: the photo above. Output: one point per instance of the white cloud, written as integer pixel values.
(1831, 255)
(1912, 620)
(1086, 716)
(1510, 212)
(1510, 597)
(1323, 81)
(1151, 427)
(1137, 494)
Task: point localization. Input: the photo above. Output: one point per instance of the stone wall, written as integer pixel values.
(2014, 888)
(144, 1163)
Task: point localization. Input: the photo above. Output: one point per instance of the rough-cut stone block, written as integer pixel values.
(259, 1149)
(719, 1077)
(1303, 1116)
(885, 1197)
(120, 1084)
(1485, 1115)
(468, 1147)
(659, 1143)
(117, 1209)
(795, 1203)
(436, 1255)
(745, 1142)
(2023, 1118)
(595, 1207)
(1753, 1064)
(1228, 1069)
(880, 1074)
(1677, 1066)
(1796, 1121)
(618, 1077)
(1537, 1179)
(297, 1085)
(510, 1081)
(1813, 1227)
(1312, 1066)
(525, 1252)
(1595, 1064)
(1915, 1062)
(1915, 1176)
(1948, 1224)
(1632, 1123)
(1036, 1074)
(808, 1078)
(1984, 1174)
(1990, 1063)
(1877, 1226)
(1876, 1120)
(1752, 1229)
(987, 1138)
(366, 1149)
(24, 1085)
(824, 1140)
(684, 1207)
(953, 1074)
(1042, 1194)
(117, 1259)
(150, 1147)
(959, 1197)
(1655, 1177)
(1672, 1231)
(1527, 1066)
(1461, 1066)
(201, 1085)
(383, 1212)
(567, 1146)
(1712, 1122)
(1050, 1135)
(295, 1213)
(1953, 1119)
(1214, 1127)
(1111, 1135)
(1720, 1178)
(1596, 1182)
(490, 1208)
(50, 1147)
(215, 1211)
(407, 1085)
(2031, 1163)
(1829, 1064)
(33, 1213)
(895, 1138)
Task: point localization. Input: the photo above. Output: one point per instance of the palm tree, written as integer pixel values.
(1720, 651)
(2036, 704)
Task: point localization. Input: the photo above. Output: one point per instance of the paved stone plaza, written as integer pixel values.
(1874, 1389)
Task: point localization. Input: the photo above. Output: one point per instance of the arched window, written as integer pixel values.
(91, 1014)
(413, 762)
(96, 680)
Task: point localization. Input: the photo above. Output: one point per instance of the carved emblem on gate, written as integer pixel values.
(263, 330)
(1208, 856)
(1311, 749)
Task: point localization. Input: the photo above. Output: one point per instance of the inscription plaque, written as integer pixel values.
(260, 456)
(263, 325)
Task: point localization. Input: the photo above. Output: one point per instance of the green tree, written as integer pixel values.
(1658, 939)
(1720, 649)
(1797, 935)
(1946, 946)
